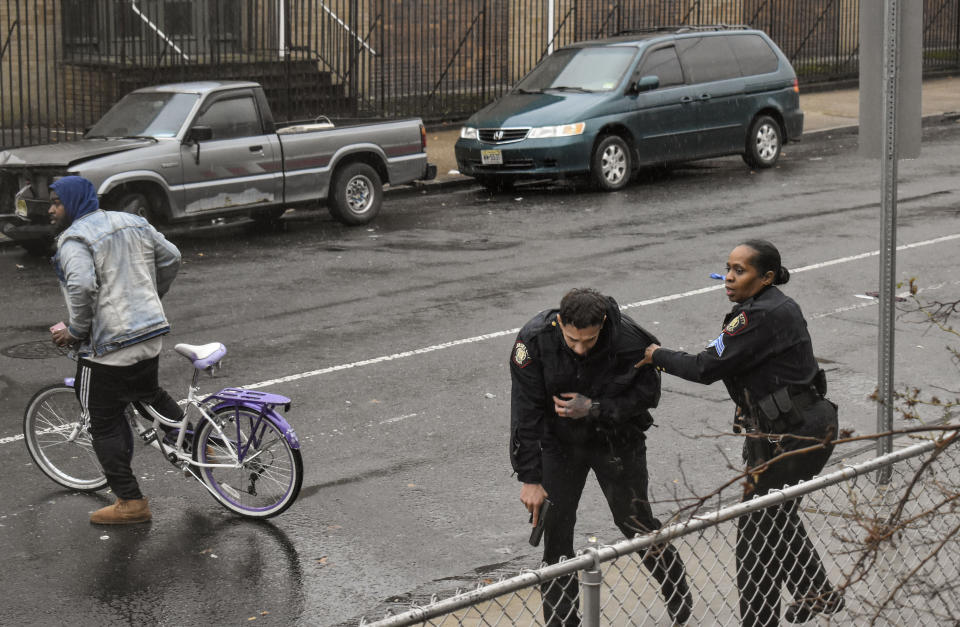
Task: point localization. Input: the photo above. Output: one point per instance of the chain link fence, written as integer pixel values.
(890, 549)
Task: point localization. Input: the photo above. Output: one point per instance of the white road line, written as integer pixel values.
(397, 419)
(643, 303)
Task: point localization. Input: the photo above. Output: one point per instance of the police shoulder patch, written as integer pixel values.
(521, 356)
(736, 325)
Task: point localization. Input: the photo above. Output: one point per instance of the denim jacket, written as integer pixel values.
(113, 269)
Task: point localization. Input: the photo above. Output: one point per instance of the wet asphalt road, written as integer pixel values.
(393, 342)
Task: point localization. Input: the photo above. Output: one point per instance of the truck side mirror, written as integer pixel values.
(646, 83)
(199, 134)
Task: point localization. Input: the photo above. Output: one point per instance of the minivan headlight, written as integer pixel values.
(468, 132)
(564, 130)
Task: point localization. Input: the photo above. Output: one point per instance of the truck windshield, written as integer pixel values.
(580, 69)
(150, 114)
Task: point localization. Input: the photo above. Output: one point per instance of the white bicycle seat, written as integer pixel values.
(204, 355)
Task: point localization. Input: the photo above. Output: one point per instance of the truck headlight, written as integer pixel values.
(564, 130)
(468, 132)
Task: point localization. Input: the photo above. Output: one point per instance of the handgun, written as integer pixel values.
(537, 532)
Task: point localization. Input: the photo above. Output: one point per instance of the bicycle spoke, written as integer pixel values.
(266, 477)
(59, 443)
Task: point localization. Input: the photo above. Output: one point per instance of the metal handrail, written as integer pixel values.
(146, 20)
(455, 54)
(347, 28)
(813, 29)
(556, 33)
(3, 50)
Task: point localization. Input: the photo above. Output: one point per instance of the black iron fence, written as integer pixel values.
(64, 62)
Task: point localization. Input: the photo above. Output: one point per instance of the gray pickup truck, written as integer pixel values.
(193, 151)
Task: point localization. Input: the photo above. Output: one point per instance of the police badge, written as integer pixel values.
(736, 325)
(521, 356)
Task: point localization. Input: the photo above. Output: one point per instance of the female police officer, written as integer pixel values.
(765, 358)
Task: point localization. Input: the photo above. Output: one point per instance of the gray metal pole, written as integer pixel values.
(590, 581)
(888, 231)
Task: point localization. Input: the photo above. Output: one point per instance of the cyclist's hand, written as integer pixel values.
(61, 335)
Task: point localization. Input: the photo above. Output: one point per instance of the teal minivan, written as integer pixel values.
(604, 108)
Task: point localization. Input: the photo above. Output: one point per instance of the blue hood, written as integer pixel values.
(77, 195)
(547, 109)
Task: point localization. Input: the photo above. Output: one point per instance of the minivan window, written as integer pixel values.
(754, 54)
(707, 59)
(664, 64)
(587, 69)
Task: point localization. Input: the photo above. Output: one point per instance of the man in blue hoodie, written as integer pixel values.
(113, 269)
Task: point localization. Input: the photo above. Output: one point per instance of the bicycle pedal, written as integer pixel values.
(149, 436)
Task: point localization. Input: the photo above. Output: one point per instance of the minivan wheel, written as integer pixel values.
(764, 142)
(610, 166)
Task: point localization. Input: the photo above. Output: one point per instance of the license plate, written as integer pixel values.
(491, 157)
(21, 208)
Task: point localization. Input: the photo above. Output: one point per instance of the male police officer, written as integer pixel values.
(578, 404)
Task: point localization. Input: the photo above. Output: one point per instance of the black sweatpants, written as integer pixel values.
(773, 548)
(104, 392)
(622, 475)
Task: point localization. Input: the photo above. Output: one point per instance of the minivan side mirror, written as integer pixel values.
(199, 134)
(646, 83)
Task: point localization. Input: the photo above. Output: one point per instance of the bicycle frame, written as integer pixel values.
(148, 427)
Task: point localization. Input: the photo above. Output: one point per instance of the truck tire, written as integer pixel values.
(135, 203)
(356, 194)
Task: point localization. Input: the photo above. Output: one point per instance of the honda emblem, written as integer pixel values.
(498, 135)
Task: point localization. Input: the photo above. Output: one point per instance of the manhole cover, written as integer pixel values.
(41, 349)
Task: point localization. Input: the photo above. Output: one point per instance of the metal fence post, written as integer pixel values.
(590, 581)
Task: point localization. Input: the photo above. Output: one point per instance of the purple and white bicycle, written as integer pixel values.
(236, 442)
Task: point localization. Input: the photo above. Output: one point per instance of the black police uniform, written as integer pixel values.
(558, 453)
(765, 358)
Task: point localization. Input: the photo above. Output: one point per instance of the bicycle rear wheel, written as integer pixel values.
(58, 441)
(270, 473)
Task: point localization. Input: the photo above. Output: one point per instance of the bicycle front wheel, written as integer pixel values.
(267, 479)
(59, 442)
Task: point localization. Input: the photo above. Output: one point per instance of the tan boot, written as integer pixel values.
(123, 512)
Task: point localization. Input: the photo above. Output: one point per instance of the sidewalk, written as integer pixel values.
(824, 111)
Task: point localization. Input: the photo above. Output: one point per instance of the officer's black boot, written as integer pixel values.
(803, 610)
(665, 565)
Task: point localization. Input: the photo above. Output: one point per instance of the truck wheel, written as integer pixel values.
(356, 194)
(764, 141)
(610, 167)
(137, 204)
